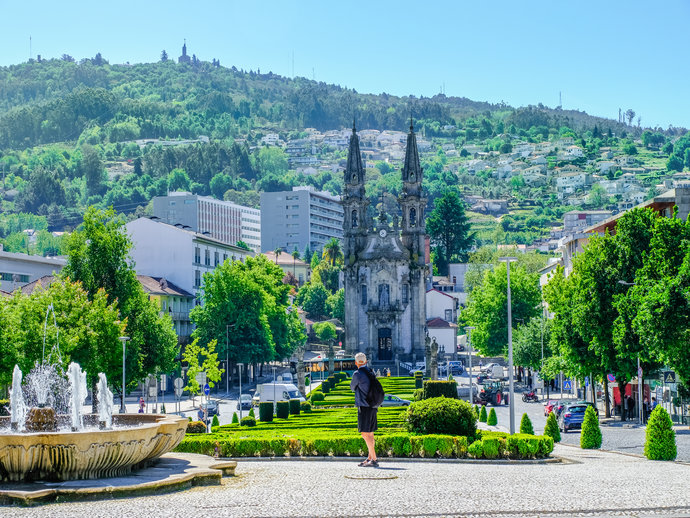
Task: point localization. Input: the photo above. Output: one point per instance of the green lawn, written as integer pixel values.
(341, 395)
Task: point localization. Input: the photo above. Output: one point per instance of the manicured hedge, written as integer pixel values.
(305, 407)
(248, 421)
(283, 409)
(442, 415)
(294, 406)
(317, 396)
(518, 446)
(552, 428)
(196, 427)
(447, 389)
(266, 411)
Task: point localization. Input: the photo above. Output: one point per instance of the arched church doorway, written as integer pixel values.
(385, 344)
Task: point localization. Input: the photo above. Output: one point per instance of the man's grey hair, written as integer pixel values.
(361, 357)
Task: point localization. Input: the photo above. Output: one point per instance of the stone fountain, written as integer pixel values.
(54, 441)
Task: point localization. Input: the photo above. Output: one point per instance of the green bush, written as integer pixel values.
(266, 411)
(251, 412)
(190, 419)
(325, 386)
(340, 376)
(418, 383)
(418, 394)
(526, 425)
(235, 419)
(248, 421)
(552, 428)
(305, 407)
(482, 414)
(492, 420)
(660, 441)
(494, 445)
(196, 427)
(283, 409)
(294, 406)
(215, 421)
(590, 438)
(316, 396)
(476, 411)
(447, 389)
(441, 416)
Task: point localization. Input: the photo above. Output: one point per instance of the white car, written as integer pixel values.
(489, 367)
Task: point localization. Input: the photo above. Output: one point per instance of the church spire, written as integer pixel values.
(354, 171)
(412, 170)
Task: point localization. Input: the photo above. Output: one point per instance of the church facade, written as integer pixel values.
(384, 264)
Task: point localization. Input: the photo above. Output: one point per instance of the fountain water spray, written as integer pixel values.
(17, 406)
(77, 379)
(105, 402)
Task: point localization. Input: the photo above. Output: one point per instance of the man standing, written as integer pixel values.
(366, 415)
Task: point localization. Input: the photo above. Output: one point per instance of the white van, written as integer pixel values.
(275, 392)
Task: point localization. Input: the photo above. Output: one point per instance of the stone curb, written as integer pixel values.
(551, 460)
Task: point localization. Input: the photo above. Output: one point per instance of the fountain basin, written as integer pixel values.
(134, 441)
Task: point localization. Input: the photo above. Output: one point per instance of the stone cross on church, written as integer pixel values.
(385, 268)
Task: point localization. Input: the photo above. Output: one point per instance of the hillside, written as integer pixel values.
(74, 134)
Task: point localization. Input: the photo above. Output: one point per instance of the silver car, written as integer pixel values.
(391, 400)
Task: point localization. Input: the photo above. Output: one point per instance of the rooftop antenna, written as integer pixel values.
(30, 49)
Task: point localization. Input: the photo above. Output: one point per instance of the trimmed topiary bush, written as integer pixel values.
(340, 376)
(196, 427)
(476, 411)
(418, 394)
(294, 406)
(482, 414)
(283, 409)
(492, 420)
(441, 416)
(660, 442)
(552, 428)
(248, 421)
(251, 412)
(305, 407)
(215, 421)
(447, 389)
(526, 425)
(235, 419)
(325, 386)
(590, 438)
(316, 396)
(266, 411)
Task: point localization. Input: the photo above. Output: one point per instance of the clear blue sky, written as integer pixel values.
(601, 55)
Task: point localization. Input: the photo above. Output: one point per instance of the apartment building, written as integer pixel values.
(222, 220)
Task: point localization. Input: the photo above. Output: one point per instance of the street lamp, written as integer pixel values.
(509, 260)
(122, 396)
(239, 366)
(468, 330)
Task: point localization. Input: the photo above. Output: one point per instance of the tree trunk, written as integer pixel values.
(621, 390)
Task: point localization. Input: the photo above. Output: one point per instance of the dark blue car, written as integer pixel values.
(571, 417)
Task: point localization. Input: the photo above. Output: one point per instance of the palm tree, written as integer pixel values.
(332, 251)
(278, 251)
(295, 256)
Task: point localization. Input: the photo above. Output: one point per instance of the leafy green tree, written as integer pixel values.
(598, 197)
(272, 161)
(313, 296)
(178, 180)
(528, 340)
(200, 358)
(92, 169)
(332, 252)
(449, 229)
(487, 307)
(98, 257)
(336, 305)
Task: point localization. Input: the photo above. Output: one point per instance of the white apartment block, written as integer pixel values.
(178, 254)
(18, 269)
(222, 220)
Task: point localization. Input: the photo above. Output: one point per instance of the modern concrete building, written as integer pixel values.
(293, 220)
(18, 269)
(223, 220)
(578, 220)
(177, 254)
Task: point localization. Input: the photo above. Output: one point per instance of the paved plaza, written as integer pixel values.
(587, 483)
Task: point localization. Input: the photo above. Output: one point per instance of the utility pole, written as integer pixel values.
(468, 330)
(511, 382)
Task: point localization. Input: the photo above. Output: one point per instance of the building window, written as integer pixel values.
(207, 258)
(413, 217)
(449, 315)
(405, 293)
(354, 219)
(225, 257)
(384, 295)
(364, 294)
(197, 255)
(197, 278)
(216, 259)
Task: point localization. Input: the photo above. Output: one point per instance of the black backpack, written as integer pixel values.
(375, 395)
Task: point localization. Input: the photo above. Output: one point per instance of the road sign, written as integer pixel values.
(200, 378)
(611, 378)
(639, 371)
(586, 381)
(207, 389)
(669, 377)
(567, 385)
(164, 382)
(178, 383)
(178, 392)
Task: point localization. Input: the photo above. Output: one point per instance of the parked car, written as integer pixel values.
(391, 400)
(571, 417)
(588, 403)
(489, 367)
(245, 401)
(548, 406)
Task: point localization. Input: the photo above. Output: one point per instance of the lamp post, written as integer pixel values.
(509, 260)
(468, 330)
(239, 366)
(122, 396)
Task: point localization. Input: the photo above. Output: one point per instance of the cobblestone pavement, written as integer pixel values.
(593, 484)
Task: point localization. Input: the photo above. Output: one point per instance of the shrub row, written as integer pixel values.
(442, 416)
(447, 389)
(518, 446)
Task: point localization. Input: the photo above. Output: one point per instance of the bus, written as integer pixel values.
(317, 367)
